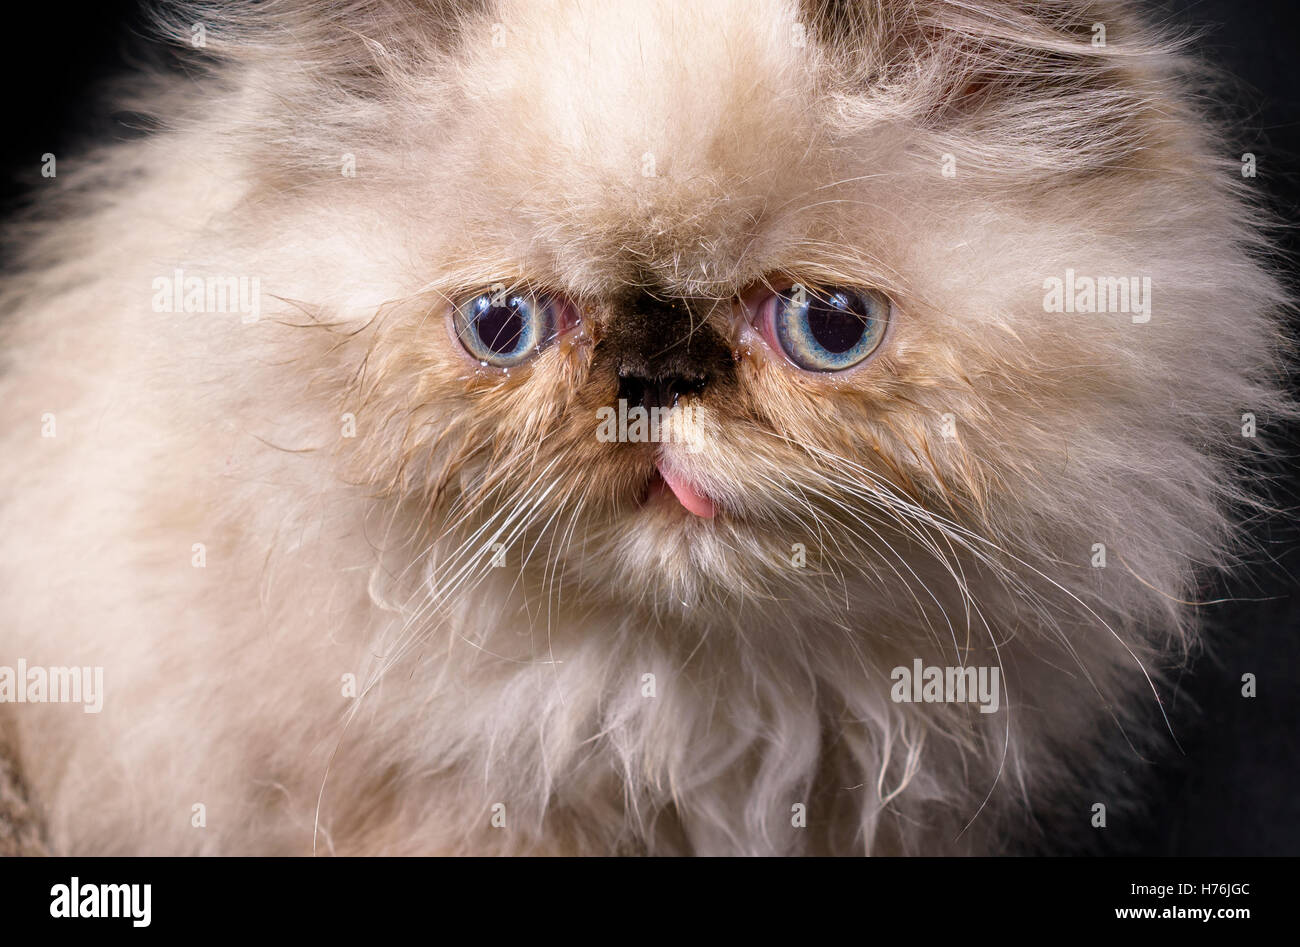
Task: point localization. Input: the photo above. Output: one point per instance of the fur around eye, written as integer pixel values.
(824, 330)
(506, 328)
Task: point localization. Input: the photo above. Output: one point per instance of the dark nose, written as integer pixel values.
(662, 350)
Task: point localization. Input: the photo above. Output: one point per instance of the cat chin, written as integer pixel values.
(670, 562)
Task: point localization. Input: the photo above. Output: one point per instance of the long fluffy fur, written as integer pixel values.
(329, 555)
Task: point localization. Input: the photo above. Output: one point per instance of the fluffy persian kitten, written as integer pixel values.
(543, 426)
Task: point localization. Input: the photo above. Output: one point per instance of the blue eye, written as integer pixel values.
(505, 328)
(826, 330)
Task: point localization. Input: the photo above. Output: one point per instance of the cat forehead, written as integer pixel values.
(609, 84)
(673, 135)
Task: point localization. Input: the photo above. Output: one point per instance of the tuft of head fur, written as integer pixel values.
(633, 680)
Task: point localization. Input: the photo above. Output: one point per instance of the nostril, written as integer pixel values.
(631, 388)
(691, 384)
(675, 386)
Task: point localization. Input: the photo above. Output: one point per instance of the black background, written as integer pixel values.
(1234, 792)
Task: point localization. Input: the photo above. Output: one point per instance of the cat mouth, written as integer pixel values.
(667, 486)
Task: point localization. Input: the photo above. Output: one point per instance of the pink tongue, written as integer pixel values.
(693, 501)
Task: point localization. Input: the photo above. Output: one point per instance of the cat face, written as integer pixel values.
(669, 255)
(820, 244)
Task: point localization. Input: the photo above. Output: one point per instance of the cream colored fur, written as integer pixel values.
(328, 555)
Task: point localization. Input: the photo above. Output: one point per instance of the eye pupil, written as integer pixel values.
(835, 326)
(500, 327)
